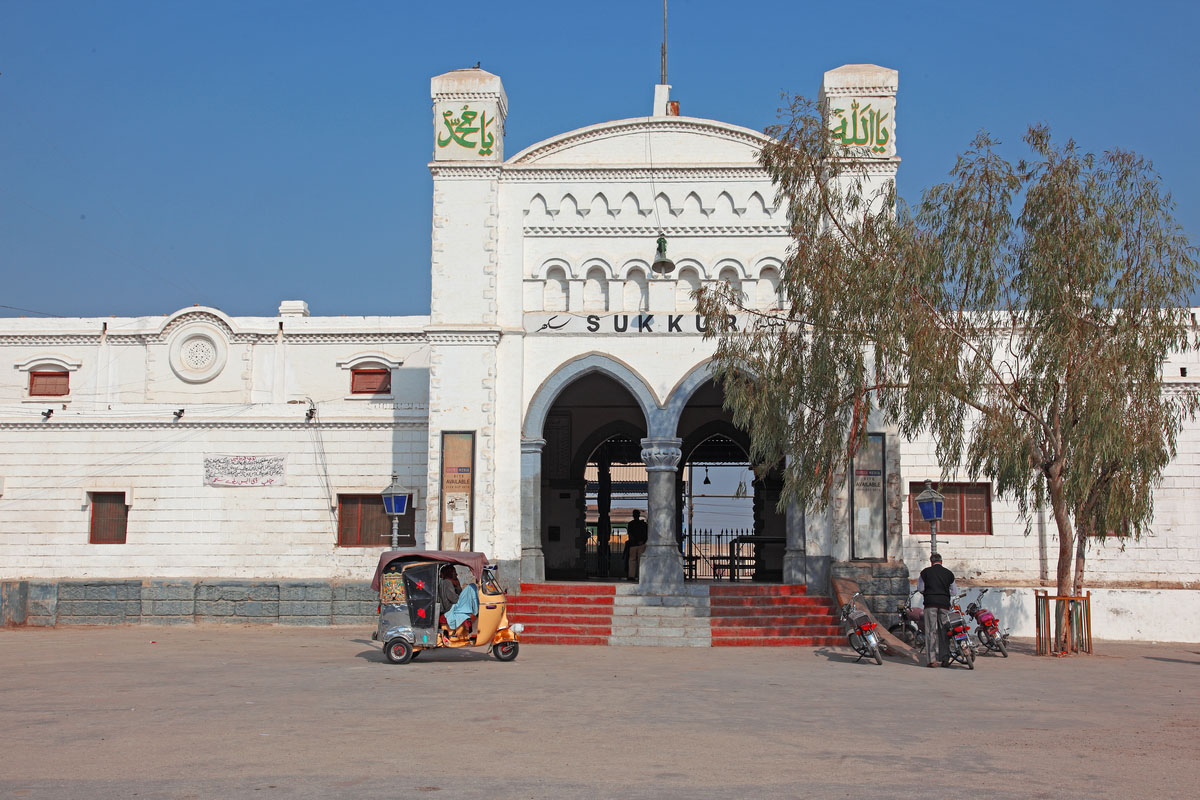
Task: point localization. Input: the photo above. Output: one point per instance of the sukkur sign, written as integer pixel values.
(641, 324)
(222, 470)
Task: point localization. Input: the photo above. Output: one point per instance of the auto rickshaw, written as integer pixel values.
(411, 616)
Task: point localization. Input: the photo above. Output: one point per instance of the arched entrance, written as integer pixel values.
(592, 431)
(735, 532)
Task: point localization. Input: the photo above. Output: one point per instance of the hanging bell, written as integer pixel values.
(662, 265)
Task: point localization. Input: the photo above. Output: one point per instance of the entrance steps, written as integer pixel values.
(701, 615)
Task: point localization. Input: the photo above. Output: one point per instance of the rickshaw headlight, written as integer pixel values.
(517, 628)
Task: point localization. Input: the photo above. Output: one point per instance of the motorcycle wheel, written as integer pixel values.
(1003, 648)
(970, 657)
(857, 644)
(875, 654)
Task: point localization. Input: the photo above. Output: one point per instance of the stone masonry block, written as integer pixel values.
(302, 608)
(305, 591)
(161, 608)
(214, 608)
(43, 600)
(257, 608)
(303, 620)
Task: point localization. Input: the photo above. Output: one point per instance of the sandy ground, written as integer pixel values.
(202, 712)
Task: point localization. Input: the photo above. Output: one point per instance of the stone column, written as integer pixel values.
(533, 561)
(661, 570)
(817, 552)
(603, 516)
(793, 552)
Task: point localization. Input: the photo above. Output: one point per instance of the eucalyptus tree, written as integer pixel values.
(1020, 314)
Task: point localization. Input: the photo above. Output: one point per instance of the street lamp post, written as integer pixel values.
(930, 504)
(395, 503)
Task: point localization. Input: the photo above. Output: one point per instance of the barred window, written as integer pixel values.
(968, 509)
(110, 518)
(363, 523)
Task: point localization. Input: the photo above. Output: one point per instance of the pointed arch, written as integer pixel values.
(569, 372)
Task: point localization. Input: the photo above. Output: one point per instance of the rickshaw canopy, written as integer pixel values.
(472, 561)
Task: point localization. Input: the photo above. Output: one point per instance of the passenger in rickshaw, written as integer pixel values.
(465, 602)
(448, 586)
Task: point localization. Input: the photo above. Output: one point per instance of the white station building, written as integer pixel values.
(199, 467)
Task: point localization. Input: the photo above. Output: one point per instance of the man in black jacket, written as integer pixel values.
(937, 585)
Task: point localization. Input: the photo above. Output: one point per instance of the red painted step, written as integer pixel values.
(778, 641)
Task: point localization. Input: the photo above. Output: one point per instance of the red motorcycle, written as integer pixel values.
(987, 632)
(860, 631)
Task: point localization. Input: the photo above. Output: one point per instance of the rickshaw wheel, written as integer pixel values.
(505, 651)
(398, 651)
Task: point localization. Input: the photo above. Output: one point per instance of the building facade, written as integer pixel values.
(203, 467)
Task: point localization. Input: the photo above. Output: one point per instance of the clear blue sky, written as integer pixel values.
(234, 154)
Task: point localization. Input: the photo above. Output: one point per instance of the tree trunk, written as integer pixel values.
(1066, 542)
(1080, 559)
(1066, 536)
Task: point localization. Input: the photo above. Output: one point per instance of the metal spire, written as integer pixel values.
(664, 45)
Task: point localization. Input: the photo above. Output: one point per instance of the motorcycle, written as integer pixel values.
(987, 631)
(860, 631)
(958, 632)
(911, 627)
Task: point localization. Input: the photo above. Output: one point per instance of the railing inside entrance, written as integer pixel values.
(730, 554)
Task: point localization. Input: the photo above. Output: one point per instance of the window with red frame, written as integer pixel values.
(968, 508)
(370, 381)
(363, 523)
(45, 383)
(110, 518)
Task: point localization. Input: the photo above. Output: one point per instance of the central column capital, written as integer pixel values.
(662, 455)
(532, 445)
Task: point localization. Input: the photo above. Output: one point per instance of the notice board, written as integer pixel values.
(458, 490)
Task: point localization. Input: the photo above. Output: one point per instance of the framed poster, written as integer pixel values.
(458, 491)
(868, 513)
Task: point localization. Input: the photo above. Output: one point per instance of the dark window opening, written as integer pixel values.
(968, 508)
(362, 522)
(110, 518)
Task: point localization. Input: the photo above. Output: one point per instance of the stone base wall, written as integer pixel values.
(883, 584)
(183, 602)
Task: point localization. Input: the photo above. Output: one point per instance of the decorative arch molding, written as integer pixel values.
(632, 264)
(717, 427)
(544, 268)
(639, 125)
(187, 316)
(543, 399)
(370, 359)
(681, 393)
(767, 262)
(579, 459)
(57, 362)
(729, 263)
(592, 263)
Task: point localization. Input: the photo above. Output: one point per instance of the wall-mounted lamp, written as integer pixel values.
(178, 413)
(49, 412)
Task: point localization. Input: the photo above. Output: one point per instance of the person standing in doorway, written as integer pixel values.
(937, 585)
(636, 536)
